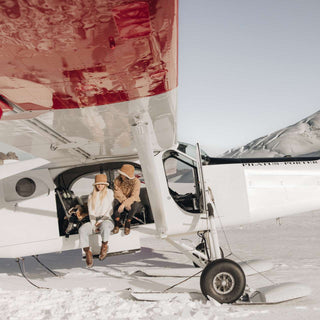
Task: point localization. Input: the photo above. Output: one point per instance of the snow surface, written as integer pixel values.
(300, 139)
(101, 293)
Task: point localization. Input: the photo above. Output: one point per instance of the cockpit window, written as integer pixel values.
(191, 150)
(182, 178)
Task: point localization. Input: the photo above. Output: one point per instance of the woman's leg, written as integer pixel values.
(105, 229)
(89, 257)
(116, 216)
(116, 205)
(135, 207)
(84, 231)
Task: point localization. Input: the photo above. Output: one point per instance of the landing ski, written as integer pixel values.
(274, 294)
(249, 267)
(277, 293)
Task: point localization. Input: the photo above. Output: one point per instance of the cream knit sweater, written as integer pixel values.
(102, 209)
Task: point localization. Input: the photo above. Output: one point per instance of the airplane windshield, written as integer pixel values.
(191, 150)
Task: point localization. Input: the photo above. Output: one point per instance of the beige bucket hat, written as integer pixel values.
(100, 179)
(127, 170)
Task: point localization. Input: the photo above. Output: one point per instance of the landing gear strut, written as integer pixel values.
(202, 248)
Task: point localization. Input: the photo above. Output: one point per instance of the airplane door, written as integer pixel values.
(227, 183)
(27, 208)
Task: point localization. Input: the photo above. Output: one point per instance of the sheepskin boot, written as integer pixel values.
(89, 257)
(117, 225)
(127, 227)
(103, 250)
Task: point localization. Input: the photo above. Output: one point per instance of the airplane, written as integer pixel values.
(86, 87)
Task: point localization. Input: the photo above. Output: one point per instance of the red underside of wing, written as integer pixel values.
(74, 54)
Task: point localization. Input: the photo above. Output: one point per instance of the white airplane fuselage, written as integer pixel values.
(242, 193)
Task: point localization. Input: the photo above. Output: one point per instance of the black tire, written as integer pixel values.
(223, 280)
(200, 247)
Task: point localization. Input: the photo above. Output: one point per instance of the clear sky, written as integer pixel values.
(246, 68)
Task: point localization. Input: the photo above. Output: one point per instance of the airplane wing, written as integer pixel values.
(71, 71)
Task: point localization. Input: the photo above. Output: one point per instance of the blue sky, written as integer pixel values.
(246, 68)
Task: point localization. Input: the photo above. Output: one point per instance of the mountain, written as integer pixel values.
(300, 139)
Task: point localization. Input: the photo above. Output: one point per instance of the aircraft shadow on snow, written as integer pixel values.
(69, 260)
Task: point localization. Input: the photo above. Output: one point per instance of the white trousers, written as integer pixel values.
(86, 230)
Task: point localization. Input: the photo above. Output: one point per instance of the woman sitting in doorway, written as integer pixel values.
(100, 210)
(126, 194)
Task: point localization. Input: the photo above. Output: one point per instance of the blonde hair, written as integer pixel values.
(94, 194)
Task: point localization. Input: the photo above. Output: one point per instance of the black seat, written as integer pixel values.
(65, 199)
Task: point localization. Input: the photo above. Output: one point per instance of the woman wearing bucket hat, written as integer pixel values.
(126, 195)
(100, 210)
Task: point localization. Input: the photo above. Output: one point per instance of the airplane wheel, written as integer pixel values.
(200, 247)
(223, 280)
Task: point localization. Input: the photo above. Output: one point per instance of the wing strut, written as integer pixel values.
(142, 132)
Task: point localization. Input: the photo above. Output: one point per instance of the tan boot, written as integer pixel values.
(116, 226)
(127, 227)
(89, 257)
(103, 250)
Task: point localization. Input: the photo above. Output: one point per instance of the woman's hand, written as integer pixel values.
(97, 225)
(121, 208)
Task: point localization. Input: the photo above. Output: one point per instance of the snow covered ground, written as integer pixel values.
(101, 293)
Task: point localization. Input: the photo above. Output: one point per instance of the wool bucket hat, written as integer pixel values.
(127, 170)
(100, 179)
